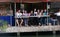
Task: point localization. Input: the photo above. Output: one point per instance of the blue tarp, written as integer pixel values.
(8, 19)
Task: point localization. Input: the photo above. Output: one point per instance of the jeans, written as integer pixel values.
(44, 20)
(58, 17)
(25, 21)
(51, 20)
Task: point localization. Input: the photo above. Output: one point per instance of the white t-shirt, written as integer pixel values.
(18, 14)
(58, 13)
(39, 15)
(35, 13)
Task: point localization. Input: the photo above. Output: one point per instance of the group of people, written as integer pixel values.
(51, 18)
(56, 16)
(39, 20)
(5, 12)
(31, 20)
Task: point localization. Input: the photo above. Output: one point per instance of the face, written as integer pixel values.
(34, 9)
(38, 10)
(31, 11)
(45, 10)
(25, 11)
(19, 11)
(41, 10)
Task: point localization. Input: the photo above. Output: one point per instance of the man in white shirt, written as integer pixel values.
(58, 13)
(58, 16)
(19, 20)
(35, 18)
(18, 14)
(35, 12)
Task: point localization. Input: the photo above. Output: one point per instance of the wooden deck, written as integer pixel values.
(33, 28)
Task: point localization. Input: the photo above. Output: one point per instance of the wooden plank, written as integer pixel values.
(32, 28)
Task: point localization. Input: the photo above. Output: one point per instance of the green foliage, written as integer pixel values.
(3, 24)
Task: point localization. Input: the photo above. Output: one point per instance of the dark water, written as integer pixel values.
(31, 34)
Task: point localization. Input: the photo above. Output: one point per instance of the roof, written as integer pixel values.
(24, 1)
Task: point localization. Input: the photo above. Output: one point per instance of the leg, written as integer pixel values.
(26, 22)
(58, 17)
(17, 22)
(21, 22)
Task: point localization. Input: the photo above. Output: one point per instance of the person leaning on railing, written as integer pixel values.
(31, 19)
(25, 20)
(44, 19)
(39, 14)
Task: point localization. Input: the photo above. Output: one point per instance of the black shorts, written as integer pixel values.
(19, 20)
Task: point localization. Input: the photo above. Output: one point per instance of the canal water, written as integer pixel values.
(31, 34)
